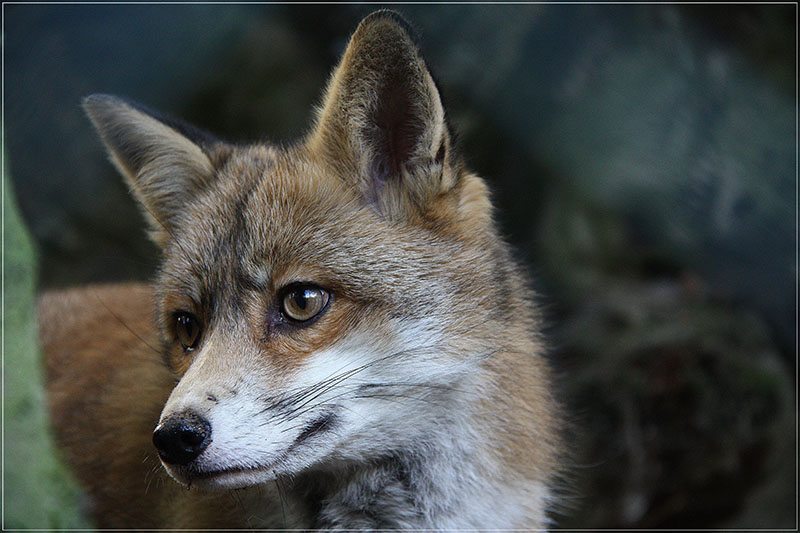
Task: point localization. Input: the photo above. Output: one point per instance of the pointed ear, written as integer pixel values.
(382, 123)
(165, 163)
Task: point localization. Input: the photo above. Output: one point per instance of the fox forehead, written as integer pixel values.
(273, 217)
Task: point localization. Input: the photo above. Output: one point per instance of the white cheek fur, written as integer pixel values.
(378, 388)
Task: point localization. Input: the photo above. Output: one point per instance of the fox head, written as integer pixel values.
(327, 302)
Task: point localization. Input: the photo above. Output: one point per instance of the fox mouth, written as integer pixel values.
(239, 476)
(235, 477)
(209, 474)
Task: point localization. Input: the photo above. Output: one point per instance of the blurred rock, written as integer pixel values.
(682, 404)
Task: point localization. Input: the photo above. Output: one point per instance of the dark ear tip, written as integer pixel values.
(96, 105)
(104, 110)
(99, 99)
(388, 15)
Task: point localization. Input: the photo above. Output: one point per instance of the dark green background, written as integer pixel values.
(642, 159)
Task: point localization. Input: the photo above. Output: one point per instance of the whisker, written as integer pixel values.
(281, 497)
(415, 385)
(393, 398)
(313, 392)
(113, 314)
(150, 476)
(316, 390)
(236, 496)
(303, 392)
(331, 405)
(333, 383)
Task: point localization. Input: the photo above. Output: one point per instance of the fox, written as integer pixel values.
(338, 336)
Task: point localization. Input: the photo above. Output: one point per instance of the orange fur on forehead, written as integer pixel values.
(289, 214)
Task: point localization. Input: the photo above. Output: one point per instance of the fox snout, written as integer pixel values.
(182, 437)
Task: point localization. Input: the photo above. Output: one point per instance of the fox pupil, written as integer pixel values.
(301, 300)
(188, 330)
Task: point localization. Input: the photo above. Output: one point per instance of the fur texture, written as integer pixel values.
(417, 398)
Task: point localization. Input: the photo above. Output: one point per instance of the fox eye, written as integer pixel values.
(187, 329)
(303, 302)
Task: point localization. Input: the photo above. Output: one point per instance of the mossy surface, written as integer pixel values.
(38, 490)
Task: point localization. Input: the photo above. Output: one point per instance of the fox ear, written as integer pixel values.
(163, 161)
(382, 123)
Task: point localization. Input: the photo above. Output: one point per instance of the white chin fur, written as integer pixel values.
(220, 480)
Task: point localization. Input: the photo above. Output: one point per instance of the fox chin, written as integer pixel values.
(337, 329)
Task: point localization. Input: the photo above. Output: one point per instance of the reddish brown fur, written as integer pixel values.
(92, 385)
(107, 384)
(423, 244)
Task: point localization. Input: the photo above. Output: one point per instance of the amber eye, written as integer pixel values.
(187, 329)
(304, 302)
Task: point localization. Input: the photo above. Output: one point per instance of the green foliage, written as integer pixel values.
(39, 492)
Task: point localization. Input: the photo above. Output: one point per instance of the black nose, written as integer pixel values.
(182, 437)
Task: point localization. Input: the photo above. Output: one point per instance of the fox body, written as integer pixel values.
(337, 336)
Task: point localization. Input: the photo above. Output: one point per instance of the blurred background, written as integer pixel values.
(643, 160)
